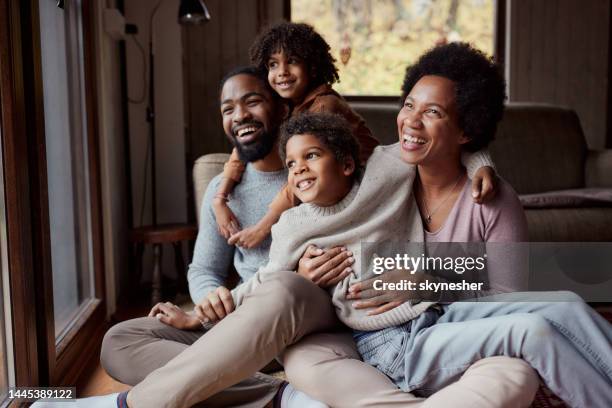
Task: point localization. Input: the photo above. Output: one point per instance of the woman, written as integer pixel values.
(453, 99)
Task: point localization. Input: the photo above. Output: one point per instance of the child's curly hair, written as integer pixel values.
(298, 40)
(479, 88)
(332, 130)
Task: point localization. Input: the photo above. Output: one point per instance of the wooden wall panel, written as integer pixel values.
(557, 52)
(210, 51)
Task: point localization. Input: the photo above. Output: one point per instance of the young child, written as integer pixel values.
(341, 207)
(302, 71)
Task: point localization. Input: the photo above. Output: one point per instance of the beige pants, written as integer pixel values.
(175, 368)
(320, 360)
(195, 368)
(133, 349)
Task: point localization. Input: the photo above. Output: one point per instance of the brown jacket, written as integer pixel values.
(324, 99)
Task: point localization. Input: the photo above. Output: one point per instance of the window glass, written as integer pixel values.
(374, 40)
(67, 160)
(6, 344)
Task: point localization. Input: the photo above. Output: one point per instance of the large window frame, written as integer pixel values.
(499, 49)
(38, 359)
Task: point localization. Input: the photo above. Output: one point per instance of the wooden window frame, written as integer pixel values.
(38, 360)
(499, 49)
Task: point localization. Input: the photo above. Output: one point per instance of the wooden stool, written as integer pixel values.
(157, 235)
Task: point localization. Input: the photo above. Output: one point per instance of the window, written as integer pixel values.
(6, 341)
(54, 296)
(374, 40)
(67, 161)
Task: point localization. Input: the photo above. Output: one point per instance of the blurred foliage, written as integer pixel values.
(385, 36)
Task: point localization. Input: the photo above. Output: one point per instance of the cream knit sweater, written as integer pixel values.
(379, 209)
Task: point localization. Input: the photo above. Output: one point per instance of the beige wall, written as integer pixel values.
(557, 52)
(169, 120)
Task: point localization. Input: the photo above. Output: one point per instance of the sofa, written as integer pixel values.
(541, 151)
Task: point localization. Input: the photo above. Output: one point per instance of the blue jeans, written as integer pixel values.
(566, 342)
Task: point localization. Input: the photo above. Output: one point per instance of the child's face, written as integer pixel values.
(288, 76)
(314, 173)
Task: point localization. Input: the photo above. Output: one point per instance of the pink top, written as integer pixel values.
(499, 220)
(497, 223)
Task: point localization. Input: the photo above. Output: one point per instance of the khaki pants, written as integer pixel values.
(320, 360)
(177, 368)
(133, 349)
(190, 367)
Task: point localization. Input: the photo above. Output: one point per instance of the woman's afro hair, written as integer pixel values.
(479, 88)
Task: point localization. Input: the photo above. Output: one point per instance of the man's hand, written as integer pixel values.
(325, 267)
(227, 223)
(174, 316)
(218, 304)
(484, 185)
(384, 300)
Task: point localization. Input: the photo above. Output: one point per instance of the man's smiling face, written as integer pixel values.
(250, 116)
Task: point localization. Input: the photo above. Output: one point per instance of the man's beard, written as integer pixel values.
(257, 149)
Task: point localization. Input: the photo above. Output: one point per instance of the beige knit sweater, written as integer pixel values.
(380, 209)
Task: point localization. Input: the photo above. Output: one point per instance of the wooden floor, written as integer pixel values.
(100, 383)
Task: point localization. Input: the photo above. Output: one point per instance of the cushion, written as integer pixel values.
(570, 224)
(583, 197)
(539, 148)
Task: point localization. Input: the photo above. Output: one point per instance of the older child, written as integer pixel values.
(301, 70)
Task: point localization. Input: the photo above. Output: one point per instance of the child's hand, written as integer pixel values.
(484, 185)
(249, 237)
(252, 236)
(218, 304)
(227, 223)
(174, 316)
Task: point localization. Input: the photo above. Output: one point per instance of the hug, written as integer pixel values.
(306, 185)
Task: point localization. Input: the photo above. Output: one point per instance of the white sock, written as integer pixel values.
(293, 398)
(102, 401)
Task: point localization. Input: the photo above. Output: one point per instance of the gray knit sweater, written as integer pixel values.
(213, 256)
(378, 209)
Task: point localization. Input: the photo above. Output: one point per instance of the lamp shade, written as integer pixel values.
(193, 12)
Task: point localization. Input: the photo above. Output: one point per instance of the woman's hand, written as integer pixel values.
(325, 267)
(484, 185)
(384, 299)
(218, 304)
(227, 223)
(174, 316)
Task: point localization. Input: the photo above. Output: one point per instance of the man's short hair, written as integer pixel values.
(249, 70)
(480, 88)
(332, 130)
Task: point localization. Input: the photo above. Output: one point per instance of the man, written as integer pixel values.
(251, 115)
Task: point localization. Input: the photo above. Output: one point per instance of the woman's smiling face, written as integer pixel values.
(314, 173)
(428, 123)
